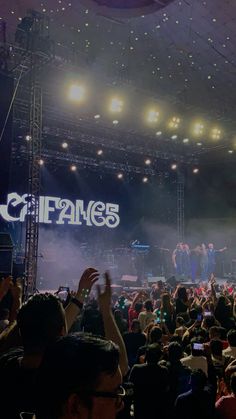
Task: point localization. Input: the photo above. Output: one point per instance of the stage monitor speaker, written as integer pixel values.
(6, 254)
(6, 124)
(129, 278)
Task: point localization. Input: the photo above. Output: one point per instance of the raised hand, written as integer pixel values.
(87, 280)
(104, 298)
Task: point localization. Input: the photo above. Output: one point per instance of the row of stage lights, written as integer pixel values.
(121, 176)
(77, 93)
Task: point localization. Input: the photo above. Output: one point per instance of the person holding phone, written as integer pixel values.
(196, 360)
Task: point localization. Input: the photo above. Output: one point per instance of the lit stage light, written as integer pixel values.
(158, 133)
(145, 179)
(174, 137)
(115, 122)
(174, 166)
(41, 162)
(28, 137)
(195, 170)
(100, 152)
(185, 140)
(199, 144)
(216, 134)
(198, 129)
(76, 93)
(97, 116)
(230, 151)
(120, 176)
(116, 105)
(148, 162)
(152, 116)
(64, 145)
(174, 123)
(73, 168)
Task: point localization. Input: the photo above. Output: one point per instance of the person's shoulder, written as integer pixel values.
(224, 400)
(11, 355)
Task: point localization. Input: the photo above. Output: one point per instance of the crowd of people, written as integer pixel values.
(160, 353)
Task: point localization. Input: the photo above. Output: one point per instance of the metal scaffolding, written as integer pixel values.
(180, 206)
(36, 34)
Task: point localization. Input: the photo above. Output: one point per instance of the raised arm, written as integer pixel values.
(87, 280)
(111, 330)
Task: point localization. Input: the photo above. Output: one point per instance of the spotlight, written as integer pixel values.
(230, 151)
(174, 166)
(64, 145)
(196, 170)
(216, 134)
(145, 179)
(73, 168)
(198, 129)
(100, 152)
(199, 144)
(120, 176)
(116, 105)
(76, 93)
(185, 140)
(148, 162)
(115, 122)
(28, 137)
(152, 116)
(158, 133)
(174, 137)
(174, 123)
(97, 116)
(41, 162)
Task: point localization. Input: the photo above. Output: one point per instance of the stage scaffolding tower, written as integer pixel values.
(180, 206)
(35, 41)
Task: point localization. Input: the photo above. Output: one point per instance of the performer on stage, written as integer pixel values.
(211, 254)
(195, 261)
(177, 259)
(186, 261)
(203, 262)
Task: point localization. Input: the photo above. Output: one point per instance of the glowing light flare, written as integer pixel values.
(216, 134)
(100, 152)
(174, 166)
(120, 176)
(145, 179)
(64, 145)
(198, 129)
(28, 137)
(41, 162)
(195, 170)
(76, 93)
(73, 168)
(116, 105)
(174, 123)
(152, 116)
(147, 162)
(158, 133)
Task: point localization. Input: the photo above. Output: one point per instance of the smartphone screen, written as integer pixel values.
(198, 346)
(199, 317)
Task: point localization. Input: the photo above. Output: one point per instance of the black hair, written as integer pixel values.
(198, 380)
(175, 352)
(216, 346)
(40, 321)
(155, 334)
(153, 353)
(73, 365)
(231, 336)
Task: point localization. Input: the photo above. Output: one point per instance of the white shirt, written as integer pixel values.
(146, 317)
(196, 362)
